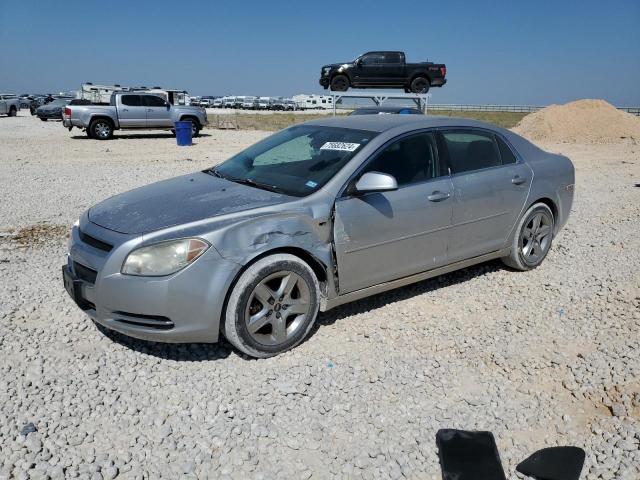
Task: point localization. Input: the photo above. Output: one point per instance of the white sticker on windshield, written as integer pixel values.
(341, 146)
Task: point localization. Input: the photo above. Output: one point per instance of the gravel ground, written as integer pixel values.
(548, 357)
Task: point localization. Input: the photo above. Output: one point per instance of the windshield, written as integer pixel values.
(296, 161)
(59, 101)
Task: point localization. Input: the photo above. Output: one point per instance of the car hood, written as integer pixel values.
(176, 201)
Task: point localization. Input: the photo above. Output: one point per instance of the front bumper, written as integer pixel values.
(181, 308)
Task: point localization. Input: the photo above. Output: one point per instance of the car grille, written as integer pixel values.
(94, 242)
(85, 274)
(140, 320)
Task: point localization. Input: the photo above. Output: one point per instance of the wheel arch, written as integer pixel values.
(191, 117)
(549, 203)
(101, 117)
(420, 73)
(317, 266)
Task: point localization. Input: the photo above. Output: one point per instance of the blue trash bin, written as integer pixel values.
(183, 133)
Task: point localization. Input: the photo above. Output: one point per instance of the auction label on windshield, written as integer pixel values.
(341, 146)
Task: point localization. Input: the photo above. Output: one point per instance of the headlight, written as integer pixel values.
(163, 258)
(76, 223)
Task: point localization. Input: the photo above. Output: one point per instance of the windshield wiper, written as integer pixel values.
(253, 183)
(245, 181)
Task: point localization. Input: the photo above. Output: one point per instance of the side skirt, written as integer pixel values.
(328, 304)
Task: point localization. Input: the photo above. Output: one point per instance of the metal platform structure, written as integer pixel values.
(420, 99)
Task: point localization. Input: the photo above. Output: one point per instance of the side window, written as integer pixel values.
(391, 57)
(372, 59)
(410, 160)
(131, 100)
(505, 152)
(153, 101)
(471, 150)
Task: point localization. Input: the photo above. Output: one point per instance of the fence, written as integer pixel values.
(506, 108)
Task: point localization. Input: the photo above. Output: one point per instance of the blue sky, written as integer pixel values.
(534, 52)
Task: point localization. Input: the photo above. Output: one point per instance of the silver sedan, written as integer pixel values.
(317, 215)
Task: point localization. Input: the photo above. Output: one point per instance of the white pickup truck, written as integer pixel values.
(9, 104)
(131, 110)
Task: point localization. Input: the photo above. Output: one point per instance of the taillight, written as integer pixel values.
(67, 112)
(443, 71)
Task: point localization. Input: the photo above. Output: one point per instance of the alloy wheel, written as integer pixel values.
(103, 130)
(277, 308)
(536, 237)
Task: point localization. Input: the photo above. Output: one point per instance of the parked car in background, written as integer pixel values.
(250, 103)
(401, 110)
(276, 104)
(263, 103)
(9, 104)
(205, 103)
(53, 110)
(254, 248)
(131, 110)
(385, 69)
(218, 103)
(228, 102)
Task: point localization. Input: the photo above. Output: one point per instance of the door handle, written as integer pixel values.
(518, 180)
(438, 196)
(149, 109)
(125, 109)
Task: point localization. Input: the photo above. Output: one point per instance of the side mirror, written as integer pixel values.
(359, 62)
(168, 105)
(376, 182)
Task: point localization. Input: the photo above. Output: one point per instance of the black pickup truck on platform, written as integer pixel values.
(383, 70)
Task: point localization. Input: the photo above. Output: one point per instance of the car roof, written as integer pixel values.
(381, 123)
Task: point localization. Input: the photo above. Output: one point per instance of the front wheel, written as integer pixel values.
(195, 127)
(43, 119)
(340, 83)
(13, 111)
(532, 239)
(272, 307)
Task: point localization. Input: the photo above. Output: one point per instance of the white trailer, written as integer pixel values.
(309, 102)
(99, 94)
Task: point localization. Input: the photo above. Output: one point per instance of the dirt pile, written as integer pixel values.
(582, 121)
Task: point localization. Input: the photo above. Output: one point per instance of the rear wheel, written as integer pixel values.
(13, 111)
(43, 119)
(532, 240)
(272, 307)
(340, 83)
(101, 129)
(420, 85)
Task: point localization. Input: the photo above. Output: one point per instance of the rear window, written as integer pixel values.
(131, 100)
(471, 150)
(153, 101)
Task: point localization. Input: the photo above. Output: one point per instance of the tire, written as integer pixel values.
(195, 126)
(101, 129)
(532, 239)
(88, 132)
(420, 85)
(260, 292)
(43, 119)
(340, 83)
(13, 111)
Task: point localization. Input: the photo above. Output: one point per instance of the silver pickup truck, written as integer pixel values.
(9, 104)
(131, 110)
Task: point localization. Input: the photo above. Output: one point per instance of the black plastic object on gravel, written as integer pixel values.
(555, 463)
(468, 455)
